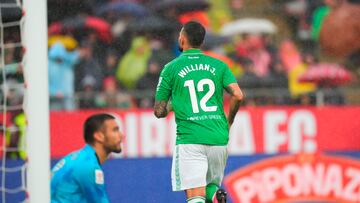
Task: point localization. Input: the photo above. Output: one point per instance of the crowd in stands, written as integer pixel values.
(109, 54)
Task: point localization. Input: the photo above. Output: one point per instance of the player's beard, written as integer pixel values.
(117, 148)
(112, 147)
(180, 49)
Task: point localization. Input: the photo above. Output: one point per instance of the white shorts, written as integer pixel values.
(196, 165)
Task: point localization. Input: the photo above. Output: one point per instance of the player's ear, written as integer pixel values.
(181, 38)
(99, 136)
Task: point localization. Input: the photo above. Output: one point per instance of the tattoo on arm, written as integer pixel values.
(229, 90)
(160, 110)
(235, 101)
(234, 107)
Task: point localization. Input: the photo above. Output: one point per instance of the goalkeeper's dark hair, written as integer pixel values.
(94, 124)
(195, 33)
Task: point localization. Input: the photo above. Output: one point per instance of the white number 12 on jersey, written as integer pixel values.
(200, 88)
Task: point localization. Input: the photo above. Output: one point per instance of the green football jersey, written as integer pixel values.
(195, 83)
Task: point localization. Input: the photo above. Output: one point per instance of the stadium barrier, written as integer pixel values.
(277, 154)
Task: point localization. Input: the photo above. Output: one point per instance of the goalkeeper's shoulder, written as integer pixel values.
(85, 169)
(84, 162)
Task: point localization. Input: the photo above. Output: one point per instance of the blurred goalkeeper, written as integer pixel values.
(195, 84)
(78, 177)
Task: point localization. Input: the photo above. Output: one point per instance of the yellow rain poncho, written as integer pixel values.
(133, 64)
(297, 88)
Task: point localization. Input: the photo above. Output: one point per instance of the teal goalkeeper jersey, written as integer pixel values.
(78, 178)
(195, 83)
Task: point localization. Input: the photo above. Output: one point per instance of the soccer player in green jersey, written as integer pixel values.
(195, 82)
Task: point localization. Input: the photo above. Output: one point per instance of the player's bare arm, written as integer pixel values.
(236, 97)
(161, 109)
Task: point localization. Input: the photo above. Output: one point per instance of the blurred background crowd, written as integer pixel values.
(109, 53)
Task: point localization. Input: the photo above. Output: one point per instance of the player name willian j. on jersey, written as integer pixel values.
(196, 67)
(195, 83)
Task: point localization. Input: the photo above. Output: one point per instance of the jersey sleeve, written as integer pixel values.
(163, 89)
(91, 182)
(228, 77)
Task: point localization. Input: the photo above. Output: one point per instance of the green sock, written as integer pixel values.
(210, 191)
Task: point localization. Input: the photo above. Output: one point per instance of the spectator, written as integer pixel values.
(133, 64)
(13, 69)
(86, 97)
(259, 55)
(269, 45)
(289, 54)
(277, 78)
(249, 79)
(88, 67)
(219, 14)
(61, 77)
(112, 97)
(148, 84)
(110, 63)
(15, 135)
(302, 92)
(160, 52)
(252, 47)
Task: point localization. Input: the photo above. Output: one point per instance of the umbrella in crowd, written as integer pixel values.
(326, 74)
(152, 24)
(248, 25)
(181, 6)
(100, 26)
(123, 8)
(340, 31)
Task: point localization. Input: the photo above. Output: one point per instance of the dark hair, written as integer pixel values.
(195, 33)
(93, 124)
